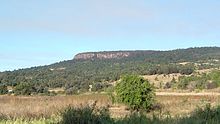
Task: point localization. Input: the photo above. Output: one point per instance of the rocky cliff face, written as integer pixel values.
(102, 55)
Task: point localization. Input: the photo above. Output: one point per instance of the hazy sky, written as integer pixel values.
(39, 32)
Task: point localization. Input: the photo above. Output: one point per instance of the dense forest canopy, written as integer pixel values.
(77, 74)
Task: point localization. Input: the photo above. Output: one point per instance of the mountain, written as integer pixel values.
(110, 55)
(189, 54)
(102, 67)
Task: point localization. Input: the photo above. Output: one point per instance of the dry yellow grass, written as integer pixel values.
(47, 106)
(44, 106)
(182, 105)
(206, 70)
(161, 79)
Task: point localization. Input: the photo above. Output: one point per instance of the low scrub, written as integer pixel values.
(88, 115)
(204, 81)
(92, 115)
(207, 115)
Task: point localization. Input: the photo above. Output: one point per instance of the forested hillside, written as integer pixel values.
(99, 68)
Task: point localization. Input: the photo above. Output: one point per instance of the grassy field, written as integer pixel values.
(44, 106)
(44, 109)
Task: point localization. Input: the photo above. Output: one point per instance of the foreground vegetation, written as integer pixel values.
(91, 115)
(136, 93)
(47, 106)
(86, 115)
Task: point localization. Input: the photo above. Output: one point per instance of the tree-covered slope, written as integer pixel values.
(100, 67)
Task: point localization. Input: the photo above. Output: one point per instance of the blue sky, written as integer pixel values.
(39, 32)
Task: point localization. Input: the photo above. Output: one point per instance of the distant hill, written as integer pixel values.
(101, 67)
(111, 55)
(190, 54)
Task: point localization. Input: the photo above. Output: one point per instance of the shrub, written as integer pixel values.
(71, 91)
(135, 118)
(167, 85)
(214, 76)
(207, 115)
(98, 87)
(211, 85)
(183, 82)
(25, 89)
(186, 70)
(135, 92)
(42, 90)
(86, 115)
(3, 89)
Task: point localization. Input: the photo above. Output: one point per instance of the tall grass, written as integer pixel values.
(89, 115)
(208, 115)
(36, 107)
(43, 109)
(86, 115)
(22, 121)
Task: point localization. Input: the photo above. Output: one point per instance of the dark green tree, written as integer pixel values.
(25, 89)
(3, 89)
(135, 92)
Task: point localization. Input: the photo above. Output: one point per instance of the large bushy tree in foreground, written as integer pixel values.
(135, 92)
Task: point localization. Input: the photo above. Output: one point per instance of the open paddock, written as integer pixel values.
(47, 106)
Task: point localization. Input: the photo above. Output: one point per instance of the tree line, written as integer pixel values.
(75, 76)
